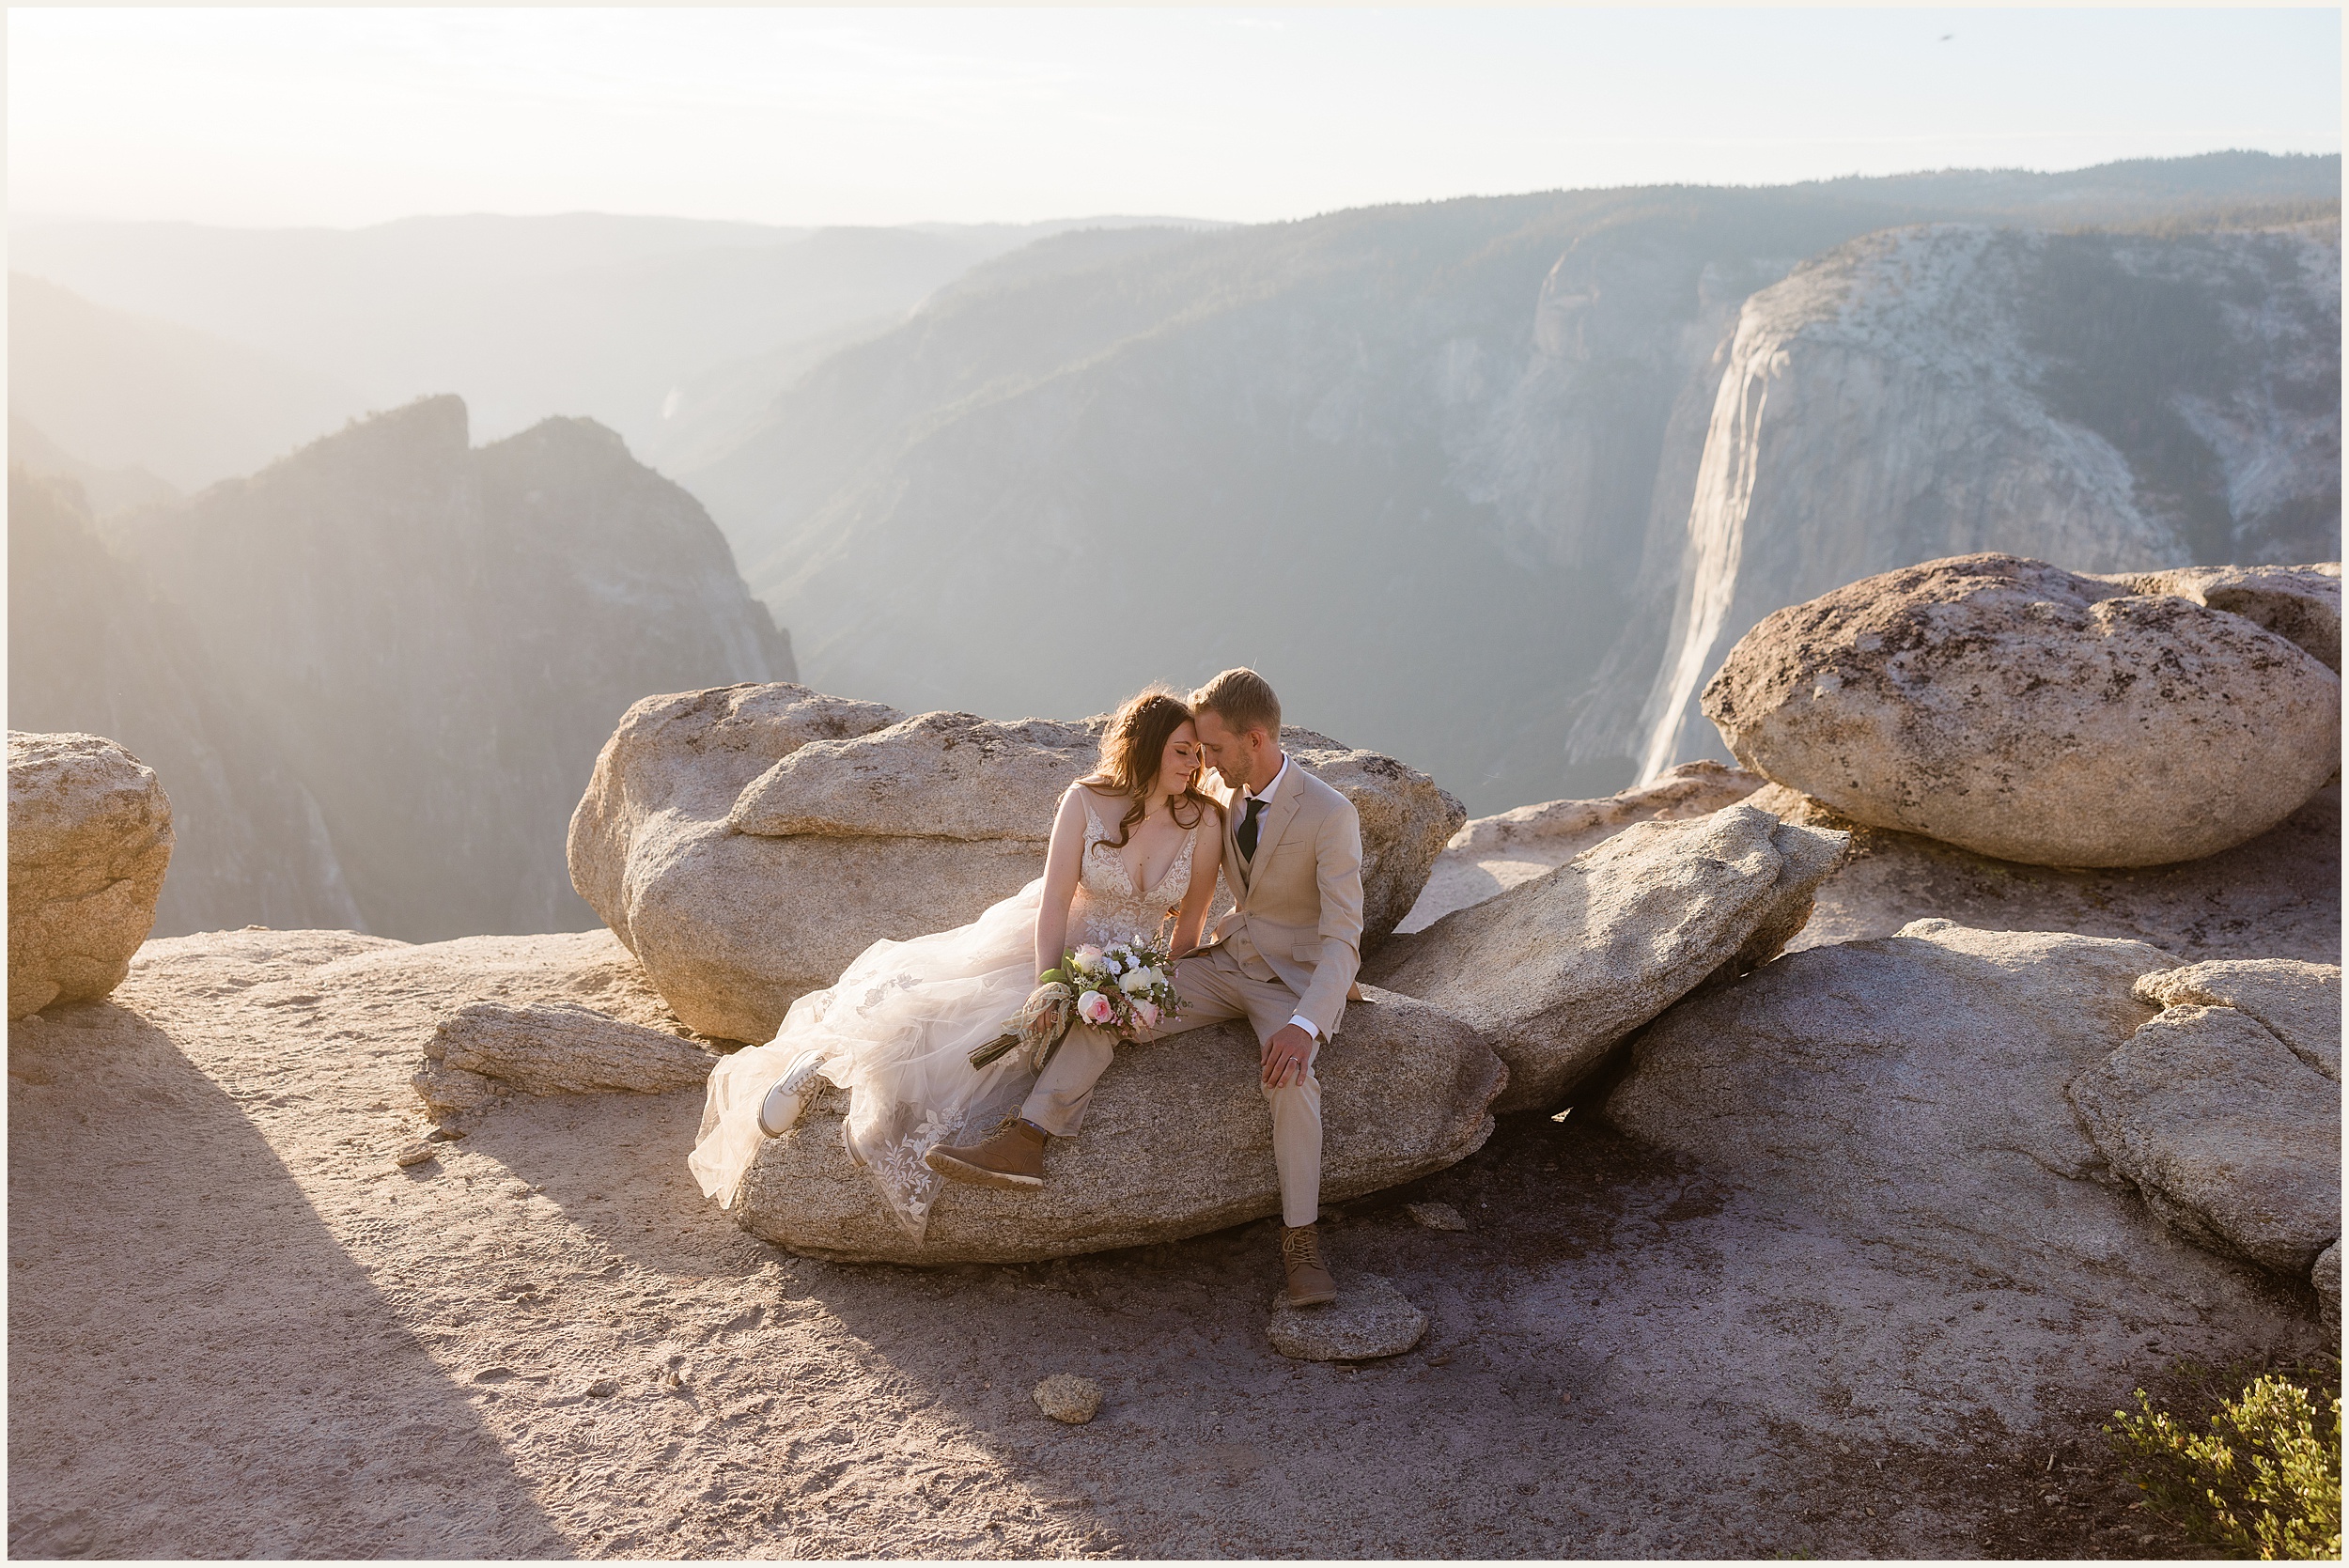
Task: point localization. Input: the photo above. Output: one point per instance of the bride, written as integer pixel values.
(897, 1028)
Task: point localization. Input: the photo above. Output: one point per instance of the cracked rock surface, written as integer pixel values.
(1914, 1087)
(2232, 1139)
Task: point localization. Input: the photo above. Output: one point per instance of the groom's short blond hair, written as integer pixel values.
(1243, 700)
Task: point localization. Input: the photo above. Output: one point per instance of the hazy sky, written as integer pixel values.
(872, 116)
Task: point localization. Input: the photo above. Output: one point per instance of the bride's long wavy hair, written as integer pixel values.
(1131, 749)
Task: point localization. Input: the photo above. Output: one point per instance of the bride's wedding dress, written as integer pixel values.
(897, 1028)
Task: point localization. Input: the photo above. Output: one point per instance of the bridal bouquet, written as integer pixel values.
(1126, 987)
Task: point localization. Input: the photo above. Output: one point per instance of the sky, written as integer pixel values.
(804, 116)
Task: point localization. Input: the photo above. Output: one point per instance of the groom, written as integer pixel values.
(1283, 959)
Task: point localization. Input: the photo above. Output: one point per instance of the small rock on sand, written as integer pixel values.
(1067, 1398)
(603, 1388)
(1437, 1217)
(1369, 1319)
(415, 1154)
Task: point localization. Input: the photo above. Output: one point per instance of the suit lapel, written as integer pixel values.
(1276, 819)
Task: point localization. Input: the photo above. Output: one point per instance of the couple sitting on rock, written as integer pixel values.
(898, 1028)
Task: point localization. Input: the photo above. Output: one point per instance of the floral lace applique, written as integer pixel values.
(910, 1186)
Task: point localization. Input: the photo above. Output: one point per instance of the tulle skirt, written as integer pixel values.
(897, 1029)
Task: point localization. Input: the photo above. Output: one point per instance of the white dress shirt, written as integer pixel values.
(1265, 795)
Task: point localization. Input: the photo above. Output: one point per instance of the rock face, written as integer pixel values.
(1559, 970)
(748, 842)
(2297, 1002)
(436, 639)
(2232, 1139)
(1176, 1142)
(550, 1048)
(2300, 604)
(936, 775)
(1493, 854)
(714, 914)
(89, 839)
(1913, 1087)
(2022, 711)
(2278, 895)
(2110, 400)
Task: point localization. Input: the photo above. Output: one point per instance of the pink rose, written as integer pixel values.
(1095, 1008)
(1146, 1015)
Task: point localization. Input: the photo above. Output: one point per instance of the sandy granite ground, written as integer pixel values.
(238, 1330)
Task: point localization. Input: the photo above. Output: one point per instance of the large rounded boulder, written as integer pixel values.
(747, 842)
(1177, 1141)
(89, 839)
(2033, 714)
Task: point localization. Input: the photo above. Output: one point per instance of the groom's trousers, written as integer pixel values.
(1217, 987)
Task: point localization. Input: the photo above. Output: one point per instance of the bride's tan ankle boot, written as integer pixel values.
(1310, 1281)
(1011, 1157)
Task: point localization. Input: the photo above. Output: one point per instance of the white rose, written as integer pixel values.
(1134, 982)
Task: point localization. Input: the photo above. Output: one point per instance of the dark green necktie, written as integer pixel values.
(1247, 834)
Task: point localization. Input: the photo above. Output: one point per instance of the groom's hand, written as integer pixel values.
(1287, 1056)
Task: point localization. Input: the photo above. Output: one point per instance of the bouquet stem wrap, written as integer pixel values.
(1039, 1028)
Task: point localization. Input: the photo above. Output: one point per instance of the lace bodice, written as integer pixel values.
(1108, 907)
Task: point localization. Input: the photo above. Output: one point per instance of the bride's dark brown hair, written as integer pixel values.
(1131, 750)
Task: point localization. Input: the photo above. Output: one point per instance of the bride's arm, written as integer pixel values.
(1192, 917)
(1061, 863)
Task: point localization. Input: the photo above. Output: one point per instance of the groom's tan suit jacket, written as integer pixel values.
(1298, 905)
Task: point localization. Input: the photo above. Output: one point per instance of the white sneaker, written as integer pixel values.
(779, 1112)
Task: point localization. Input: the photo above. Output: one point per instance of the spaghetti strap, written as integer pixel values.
(1092, 817)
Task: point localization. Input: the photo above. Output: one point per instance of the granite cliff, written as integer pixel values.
(2119, 400)
(95, 647)
(425, 642)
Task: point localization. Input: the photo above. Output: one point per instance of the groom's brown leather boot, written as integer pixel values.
(1310, 1282)
(1012, 1156)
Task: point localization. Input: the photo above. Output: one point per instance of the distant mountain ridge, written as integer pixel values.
(627, 320)
(118, 389)
(1410, 460)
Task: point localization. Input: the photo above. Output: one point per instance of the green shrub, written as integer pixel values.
(2265, 1482)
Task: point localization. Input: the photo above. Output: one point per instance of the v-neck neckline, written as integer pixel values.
(1140, 887)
